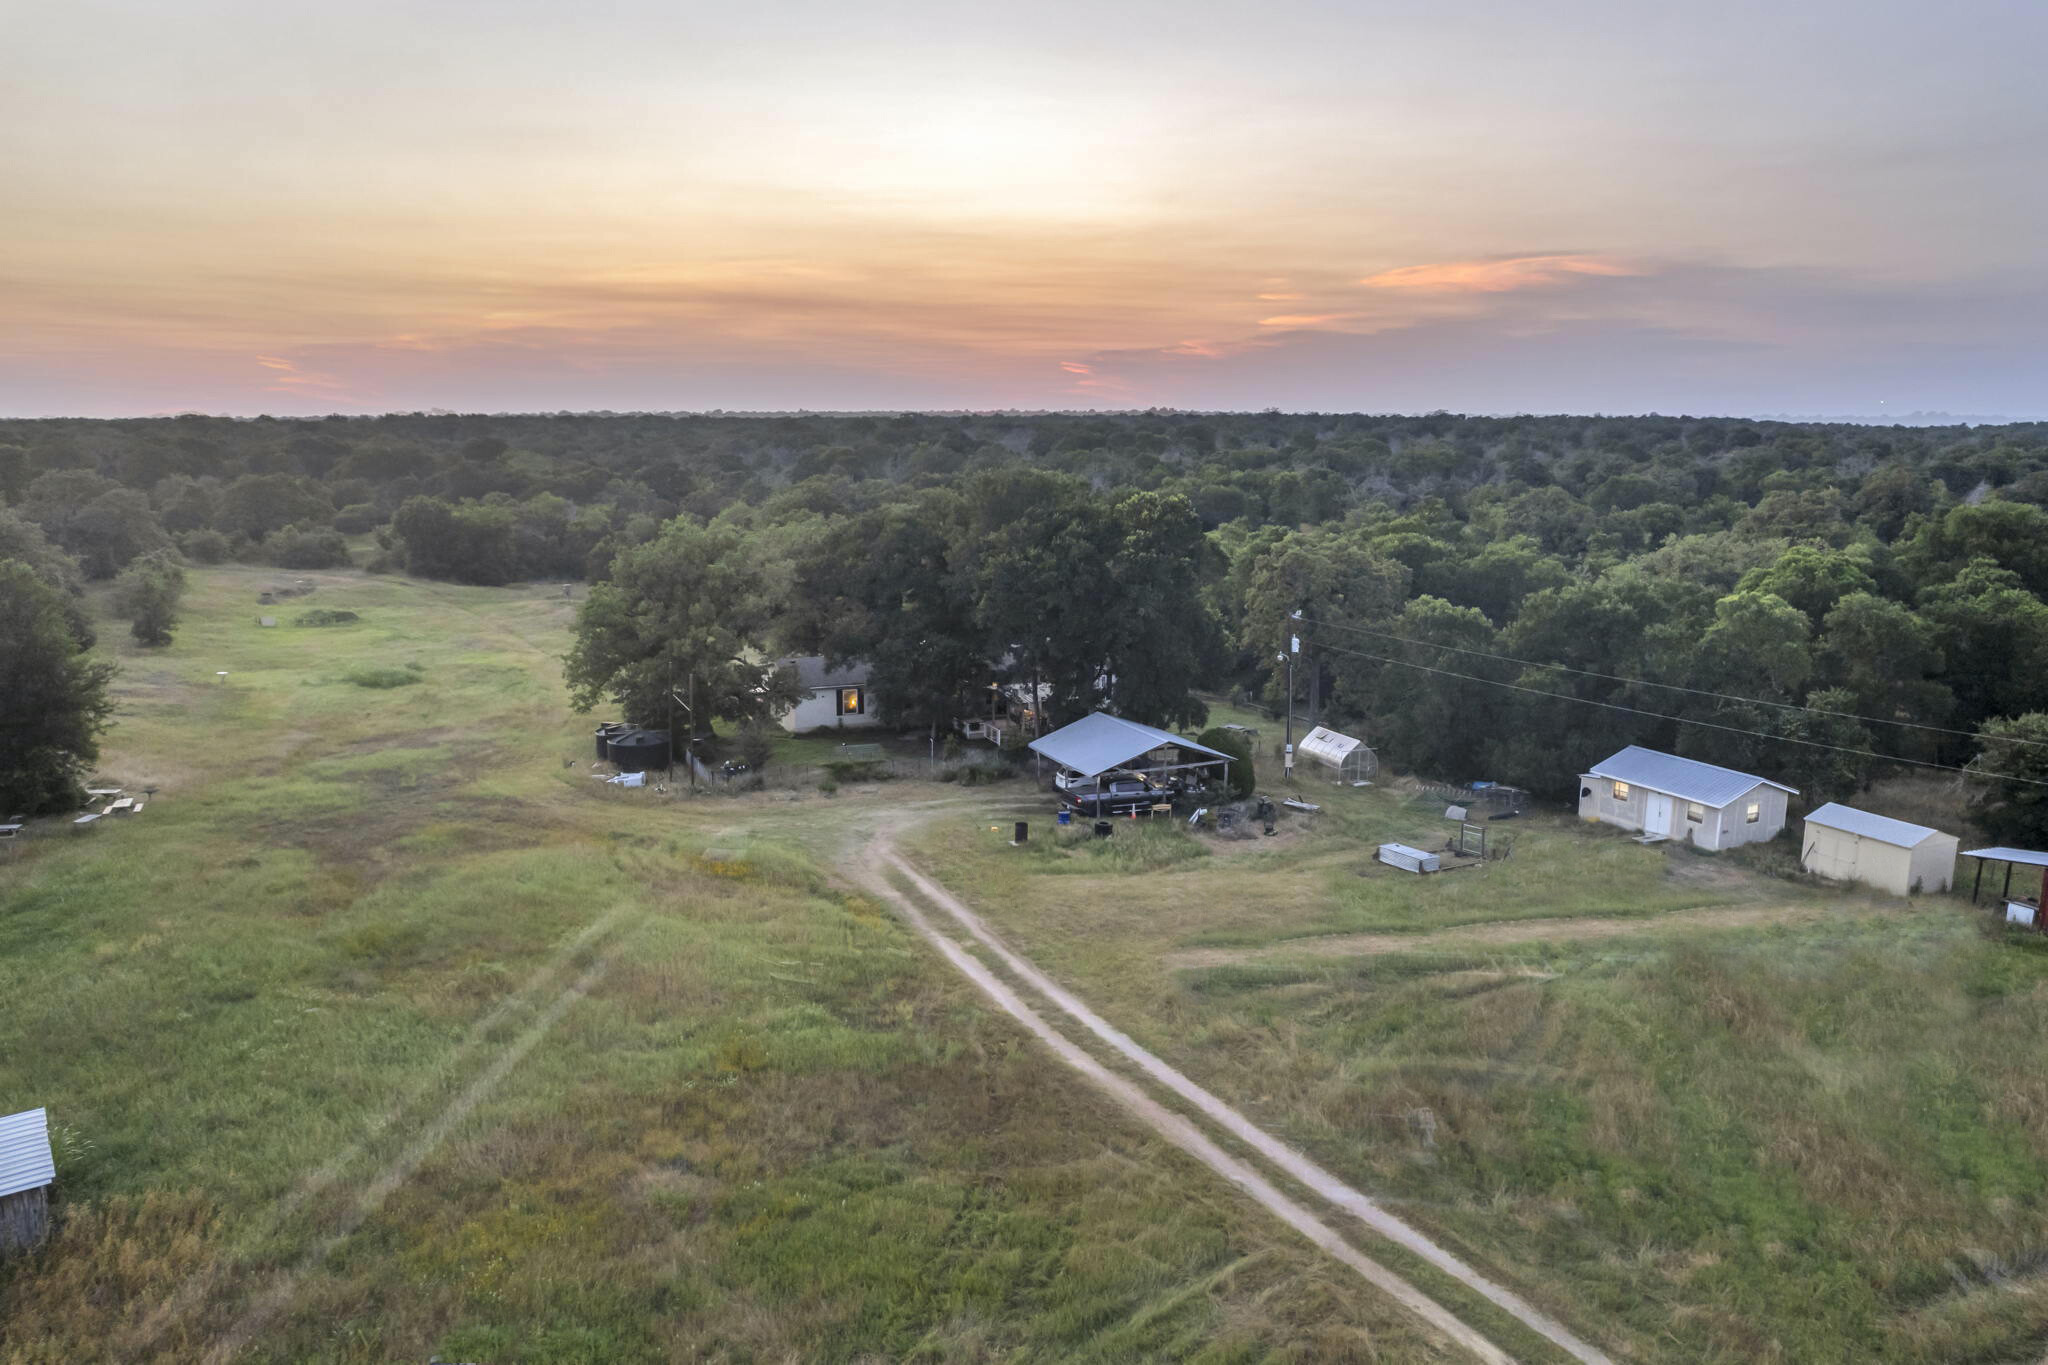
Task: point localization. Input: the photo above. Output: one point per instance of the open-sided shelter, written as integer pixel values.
(1100, 743)
(2020, 909)
(1668, 797)
(1342, 757)
(1850, 845)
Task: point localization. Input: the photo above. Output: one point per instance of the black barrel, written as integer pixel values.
(606, 733)
(639, 751)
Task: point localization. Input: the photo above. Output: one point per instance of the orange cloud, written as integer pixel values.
(1303, 319)
(1072, 367)
(287, 377)
(1496, 276)
(1280, 298)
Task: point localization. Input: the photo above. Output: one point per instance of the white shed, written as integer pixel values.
(1850, 845)
(1668, 797)
(26, 1174)
(1345, 759)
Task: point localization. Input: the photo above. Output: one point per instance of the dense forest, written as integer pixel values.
(1501, 597)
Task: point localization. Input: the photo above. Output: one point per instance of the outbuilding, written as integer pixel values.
(1850, 845)
(1341, 757)
(1103, 759)
(26, 1173)
(833, 698)
(1668, 797)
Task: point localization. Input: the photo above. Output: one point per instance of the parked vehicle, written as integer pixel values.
(1112, 794)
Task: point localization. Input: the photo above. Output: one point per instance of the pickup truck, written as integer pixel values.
(1112, 795)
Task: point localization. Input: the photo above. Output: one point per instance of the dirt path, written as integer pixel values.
(880, 860)
(1494, 933)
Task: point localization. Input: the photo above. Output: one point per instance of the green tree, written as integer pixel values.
(688, 614)
(2012, 806)
(57, 701)
(1813, 578)
(1244, 777)
(148, 592)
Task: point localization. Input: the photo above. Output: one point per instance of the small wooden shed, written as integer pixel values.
(1850, 845)
(27, 1171)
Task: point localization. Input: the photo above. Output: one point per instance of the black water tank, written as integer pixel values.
(639, 751)
(606, 733)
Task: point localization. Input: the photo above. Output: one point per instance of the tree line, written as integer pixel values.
(1498, 597)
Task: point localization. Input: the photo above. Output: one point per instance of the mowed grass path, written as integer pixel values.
(382, 1033)
(1821, 1135)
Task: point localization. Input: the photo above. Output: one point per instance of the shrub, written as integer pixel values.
(382, 678)
(306, 547)
(357, 519)
(322, 616)
(828, 786)
(1244, 779)
(205, 546)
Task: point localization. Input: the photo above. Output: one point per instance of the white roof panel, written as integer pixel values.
(2009, 855)
(25, 1162)
(1099, 741)
(1683, 777)
(1882, 828)
(1328, 745)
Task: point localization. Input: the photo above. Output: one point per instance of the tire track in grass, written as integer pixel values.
(195, 1289)
(1313, 1176)
(277, 1297)
(1184, 1135)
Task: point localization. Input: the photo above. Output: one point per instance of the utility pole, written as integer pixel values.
(1293, 649)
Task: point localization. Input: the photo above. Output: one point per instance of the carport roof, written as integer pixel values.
(1099, 741)
(2010, 855)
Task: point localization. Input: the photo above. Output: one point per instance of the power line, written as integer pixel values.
(1677, 687)
(1687, 720)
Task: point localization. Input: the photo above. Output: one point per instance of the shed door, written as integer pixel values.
(1657, 814)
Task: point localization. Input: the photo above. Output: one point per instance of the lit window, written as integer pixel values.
(853, 701)
(1754, 813)
(1695, 812)
(1621, 791)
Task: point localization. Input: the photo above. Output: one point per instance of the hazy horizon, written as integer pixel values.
(1473, 207)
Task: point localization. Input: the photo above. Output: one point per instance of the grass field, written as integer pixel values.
(383, 1033)
(1822, 1136)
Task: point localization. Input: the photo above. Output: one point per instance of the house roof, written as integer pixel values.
(2009, 855)
(811, 673)
(25, 1162)
(1099, 741)
(1685, 777)
(1328, 745)
(1882, 828)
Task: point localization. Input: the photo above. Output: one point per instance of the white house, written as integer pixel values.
(833, 698)
(1850, 845)
(1668, 797)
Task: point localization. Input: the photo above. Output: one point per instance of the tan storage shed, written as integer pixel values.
(1850, 845)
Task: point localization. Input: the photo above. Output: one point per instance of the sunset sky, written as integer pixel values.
(1815, 208)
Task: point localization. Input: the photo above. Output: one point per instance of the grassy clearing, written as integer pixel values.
(643, 1084)
(1818, 1140)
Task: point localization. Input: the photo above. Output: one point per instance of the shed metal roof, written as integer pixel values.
(1099, 741)
(2009, 855)
(25, 1162)
(1328, 745)
(1882, 828)
(811, 673)
(1682, 777)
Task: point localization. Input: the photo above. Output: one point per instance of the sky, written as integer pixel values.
(248, 207)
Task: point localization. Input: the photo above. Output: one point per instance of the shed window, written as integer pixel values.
(853, 701)
(1754, 813)
(1621, 791)
(1695, 812)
